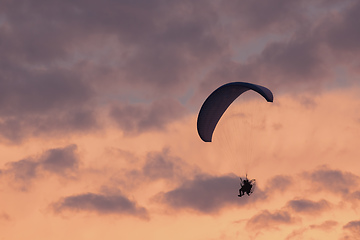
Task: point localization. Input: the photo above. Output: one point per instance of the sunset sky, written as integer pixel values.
(98, 109)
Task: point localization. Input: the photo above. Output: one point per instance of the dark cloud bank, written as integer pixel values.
(54, 64)
(100, 203)
(62, 61)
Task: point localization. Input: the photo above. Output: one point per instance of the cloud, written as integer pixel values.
(156, 166)
(208, 194)
(343, 24)
(34, 101)
(109, 203)
(138, 118)
(290, 65)
(17, 129)
(279, 183)
(24, 169)
(156, 53)
(164, 165)
(332, 180)
(56, 74)
(296, 234)
(60, 161)
(292, 51)
(355, 195)
(270, 220)
(325, 226)
(353, 228)
(252, 16)
(308, 206)
(21, 173)
(159, 165)
(41, 91)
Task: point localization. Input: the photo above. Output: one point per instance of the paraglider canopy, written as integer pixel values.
(217, 103)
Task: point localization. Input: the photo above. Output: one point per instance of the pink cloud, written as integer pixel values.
(308, 206)
(270, 220)
(325, 226)
(353, 228)
(335, 181)
(60, 161)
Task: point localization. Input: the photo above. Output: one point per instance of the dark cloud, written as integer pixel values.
(61, 161)
(340, 29)
(270, 220)
(137, 118)
(32, 100)
(308, 206)
(59, 59)
(62, 61)
(309, 40)
(335, 181)
(325, 226)
(157, 52)
(254, 16)
(16, 130)
(289, 65)
(179, 44)
(115, 203)
(208, 194)
(39, 91)
(297, 59)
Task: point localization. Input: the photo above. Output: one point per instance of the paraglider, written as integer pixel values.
(215, 106)
(246, 186)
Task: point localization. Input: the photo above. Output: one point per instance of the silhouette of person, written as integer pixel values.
(246, 186)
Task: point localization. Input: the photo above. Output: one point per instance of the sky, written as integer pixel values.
(98, 109)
